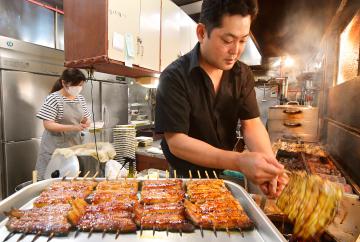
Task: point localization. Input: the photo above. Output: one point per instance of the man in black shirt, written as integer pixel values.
(202, 95)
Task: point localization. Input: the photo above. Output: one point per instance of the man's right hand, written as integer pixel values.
(258, 167)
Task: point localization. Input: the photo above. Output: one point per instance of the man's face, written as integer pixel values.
(226, 43)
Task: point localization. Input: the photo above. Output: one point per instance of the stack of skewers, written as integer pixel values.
(310, 203)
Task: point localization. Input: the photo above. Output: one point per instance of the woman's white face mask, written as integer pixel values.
(74, 90)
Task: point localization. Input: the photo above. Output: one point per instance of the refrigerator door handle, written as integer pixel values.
(105, 116)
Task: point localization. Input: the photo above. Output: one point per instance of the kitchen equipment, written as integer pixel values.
(125, 143)
(27, 73)
(293, 120)
(89, 164)
(264, 229)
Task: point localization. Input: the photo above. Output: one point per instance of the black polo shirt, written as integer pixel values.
(186, 103)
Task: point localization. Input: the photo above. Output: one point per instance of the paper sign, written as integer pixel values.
(129, 41)
(118, 41)
(128, 61)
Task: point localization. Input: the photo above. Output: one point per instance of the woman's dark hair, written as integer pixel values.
(212, 11)
(70, 76)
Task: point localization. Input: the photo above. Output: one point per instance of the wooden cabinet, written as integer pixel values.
(107, 34)
(187, 33)
(123, 19)
(112, 35)
(149, 41)
(193, 36)
(178, 33)
(170, 33)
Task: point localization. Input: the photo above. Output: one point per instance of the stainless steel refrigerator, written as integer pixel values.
(27, 73)
(108, 103)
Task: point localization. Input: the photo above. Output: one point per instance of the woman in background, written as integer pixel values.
(64, 114)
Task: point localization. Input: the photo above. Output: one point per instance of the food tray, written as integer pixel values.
(264, 230)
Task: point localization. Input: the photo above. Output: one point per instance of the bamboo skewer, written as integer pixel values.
(153, 230)
(90, 233)
(36, 236)
(198, 172)
(207, 175)
(65, 175)
(11, 234)
(77, 233)
(227, 231)
(117, 234)
(214, 229)
(180, 231)
(51, 236)
(167, 174)
(167, 231)
(141, 229)
(103, 233)
(86, 175)
(175, 174)
(215, 174)
(201, 231)
(22, 236)
(95, 175)
(190, 175)
(75, 177)
(242, 233)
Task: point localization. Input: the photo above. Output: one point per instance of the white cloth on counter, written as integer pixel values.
(113, 170)
(105, 151)
(154, 150)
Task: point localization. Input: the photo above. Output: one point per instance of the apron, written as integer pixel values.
(73, 113)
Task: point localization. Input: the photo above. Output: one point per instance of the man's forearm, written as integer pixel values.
(199, 152)
(256, 137)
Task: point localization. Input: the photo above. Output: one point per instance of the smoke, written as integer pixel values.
(305, 24)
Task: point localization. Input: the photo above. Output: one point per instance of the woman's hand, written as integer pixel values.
(85, 123)
(78, 127)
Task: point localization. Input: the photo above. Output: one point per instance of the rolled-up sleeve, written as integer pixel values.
(49, 110)
(249, 108)
(172, 105)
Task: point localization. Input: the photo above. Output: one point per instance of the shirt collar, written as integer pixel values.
(194, 60)
(194, 57)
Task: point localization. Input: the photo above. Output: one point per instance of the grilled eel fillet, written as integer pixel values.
(175, 184)
(162, 216)
(154, 196)
(109, 191)
(310, 203)
(46, 220)
(102, 218)
(211, 205)
(111, 209)
(161, 206)
(64, 191)
(130, 185)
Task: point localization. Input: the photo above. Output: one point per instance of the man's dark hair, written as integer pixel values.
(212, 11)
